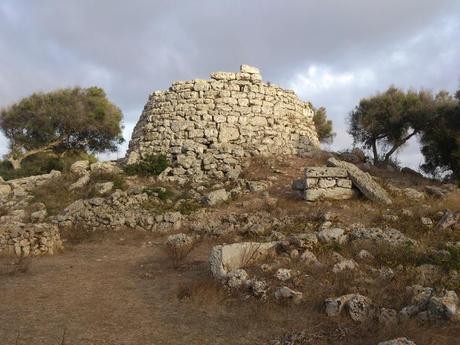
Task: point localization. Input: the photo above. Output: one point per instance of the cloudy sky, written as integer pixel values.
(331, 52)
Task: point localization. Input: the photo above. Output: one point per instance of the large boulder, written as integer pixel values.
(80, 168)
(105, 168)
(363, 181)
(80, 183)
(359, 307)
(229, 257)
(215, 197)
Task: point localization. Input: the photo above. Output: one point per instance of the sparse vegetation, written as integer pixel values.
(152, 165)
(16, 267)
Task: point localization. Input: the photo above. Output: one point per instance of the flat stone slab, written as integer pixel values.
(229, 257)
(335, 193)
(363, 181)
(325, 172)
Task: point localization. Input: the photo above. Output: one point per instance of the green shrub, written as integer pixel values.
(152, 165)
(43, 163)
(36, 165)
(160, 192)
(119, 180)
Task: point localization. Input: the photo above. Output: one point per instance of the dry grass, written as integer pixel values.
(179, 253)
(19, 266)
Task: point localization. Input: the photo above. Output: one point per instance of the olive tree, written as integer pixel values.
(385, 122)
(441, 142)
(65, 119)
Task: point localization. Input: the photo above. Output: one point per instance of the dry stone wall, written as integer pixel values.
(19, 239)
(206, 127)
(327, 183)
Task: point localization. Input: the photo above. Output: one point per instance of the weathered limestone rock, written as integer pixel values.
(363, 181)
(237, 278)
(359, 307)
(5, 191)
(226, 258)
(336, 193)
(449, 219)
(103, 187)
(283, 274)
(325, 183)
(347, 264)
(80, 168)
(324, 172)
(105, 168)
(80, 183)
(215, 197)
(19, 239)
(286, 293)
(389, 236)
(444, 307)
(427, 304)
(22, 186)
(332, 235)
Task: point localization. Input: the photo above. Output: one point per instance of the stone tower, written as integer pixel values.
(206, 127)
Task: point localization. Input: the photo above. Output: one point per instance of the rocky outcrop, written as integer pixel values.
(16, 190)
(388, 236)
(206, 127)
(363, 181)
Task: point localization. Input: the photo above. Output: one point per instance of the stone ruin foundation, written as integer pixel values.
(207, 127)
(327, 183)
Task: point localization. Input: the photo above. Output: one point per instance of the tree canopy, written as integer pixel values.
(323, 126)
(441, 142)
(386, 121)
(65, 119)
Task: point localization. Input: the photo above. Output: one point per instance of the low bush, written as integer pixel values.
(119, 180)
(43, 164)
(152, 165)
(160, 192)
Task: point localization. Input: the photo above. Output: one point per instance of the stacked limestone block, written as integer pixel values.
(327, 183)
(206, 127)
(19, 239)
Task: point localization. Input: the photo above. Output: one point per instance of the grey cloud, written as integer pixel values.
(132, 48)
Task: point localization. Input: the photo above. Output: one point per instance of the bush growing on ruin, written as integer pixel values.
(59, 121)
(152, 165)
(323, 126)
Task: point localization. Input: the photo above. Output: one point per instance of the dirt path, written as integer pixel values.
(113, 292)
(106, 293)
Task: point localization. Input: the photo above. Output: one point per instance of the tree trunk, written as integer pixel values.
(374, 151)
(16, 163)
(397, 146)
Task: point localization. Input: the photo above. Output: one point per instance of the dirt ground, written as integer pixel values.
(110, 292)
(124, 290)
